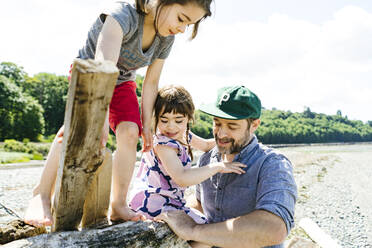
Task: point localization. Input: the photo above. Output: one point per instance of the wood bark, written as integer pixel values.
(18, 229)
(90, 92)
(97, 200)
(128, 234)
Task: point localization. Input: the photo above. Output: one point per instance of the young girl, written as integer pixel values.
(166, 169)
(132, 37)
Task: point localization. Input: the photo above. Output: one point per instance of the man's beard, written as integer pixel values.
(235, 145)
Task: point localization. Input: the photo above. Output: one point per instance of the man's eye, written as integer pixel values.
(179, 19)
(162, 121)
(179, 122)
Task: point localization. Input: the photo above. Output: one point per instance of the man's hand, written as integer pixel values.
(147, 139)
(182, 224)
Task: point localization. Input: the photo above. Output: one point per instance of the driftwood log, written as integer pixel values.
(90, 92)
(17, 229)
(128, 234)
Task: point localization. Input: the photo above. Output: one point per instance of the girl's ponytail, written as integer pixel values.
(188, 140)
(141, 6)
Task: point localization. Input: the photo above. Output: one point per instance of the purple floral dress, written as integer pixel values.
(154, 191)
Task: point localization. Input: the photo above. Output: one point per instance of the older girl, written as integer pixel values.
(132, 37)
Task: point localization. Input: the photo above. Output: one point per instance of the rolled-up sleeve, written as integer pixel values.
(277, 190)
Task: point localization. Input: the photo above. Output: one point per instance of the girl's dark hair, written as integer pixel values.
(175, 99)
(204, 4)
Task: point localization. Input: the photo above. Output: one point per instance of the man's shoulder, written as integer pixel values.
(267, 156)
(275, 158)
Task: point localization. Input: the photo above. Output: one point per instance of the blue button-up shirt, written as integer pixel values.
(268, 184)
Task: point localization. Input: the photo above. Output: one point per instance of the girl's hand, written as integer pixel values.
(147, 139)
(60, 134)
(231, 167)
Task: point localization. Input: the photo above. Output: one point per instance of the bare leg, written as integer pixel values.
(122, 170)
(38, 212)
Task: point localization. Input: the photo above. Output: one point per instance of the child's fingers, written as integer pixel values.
(136, 218)
(161, 217)
(60, 134)
(234, 169)
(146, 147)
(239, 164)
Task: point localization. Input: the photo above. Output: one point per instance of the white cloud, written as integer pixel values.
(289, 63)
(44, 35)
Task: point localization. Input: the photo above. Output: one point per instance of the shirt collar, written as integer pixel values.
(246, 150)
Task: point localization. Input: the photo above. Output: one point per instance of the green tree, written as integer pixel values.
(51, 93)
(203, 125)
(13, 72)
(20, 114)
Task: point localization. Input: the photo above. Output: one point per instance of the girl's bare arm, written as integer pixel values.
(149, 93)
(202, 144)
(191, 176)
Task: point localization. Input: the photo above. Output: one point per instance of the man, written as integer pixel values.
(254, 209)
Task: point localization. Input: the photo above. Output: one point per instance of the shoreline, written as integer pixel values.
(331, 179)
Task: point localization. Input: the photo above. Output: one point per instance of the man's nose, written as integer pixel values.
(221, 133)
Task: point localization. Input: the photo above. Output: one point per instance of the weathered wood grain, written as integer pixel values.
(128, 234)
(90, 92)
(98, 197)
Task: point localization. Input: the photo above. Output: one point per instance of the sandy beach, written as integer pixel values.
(333, 185)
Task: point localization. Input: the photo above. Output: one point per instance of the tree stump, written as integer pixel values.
(90, 92)
(97, 200)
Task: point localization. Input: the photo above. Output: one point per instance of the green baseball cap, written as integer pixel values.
(234, 103)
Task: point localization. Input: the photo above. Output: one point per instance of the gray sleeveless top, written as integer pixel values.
(131, 55)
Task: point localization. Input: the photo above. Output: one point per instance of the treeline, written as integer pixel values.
(33, 108)
(285, 127)
(30, 107)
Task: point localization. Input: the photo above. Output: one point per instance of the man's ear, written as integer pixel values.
(255, 124)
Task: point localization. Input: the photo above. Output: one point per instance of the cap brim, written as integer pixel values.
(211, 109)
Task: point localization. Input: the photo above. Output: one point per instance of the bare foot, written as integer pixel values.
(121, 212)
(194, 244)
(38, 212)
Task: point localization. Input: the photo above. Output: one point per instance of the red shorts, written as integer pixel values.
(124, 105)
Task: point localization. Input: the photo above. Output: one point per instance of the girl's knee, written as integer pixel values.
(127, 132)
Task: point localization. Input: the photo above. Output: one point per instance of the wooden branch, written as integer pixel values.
(317, 234)
(128, 234)
(90, 92)
(18, 229)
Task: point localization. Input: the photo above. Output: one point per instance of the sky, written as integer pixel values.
(292, 53)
